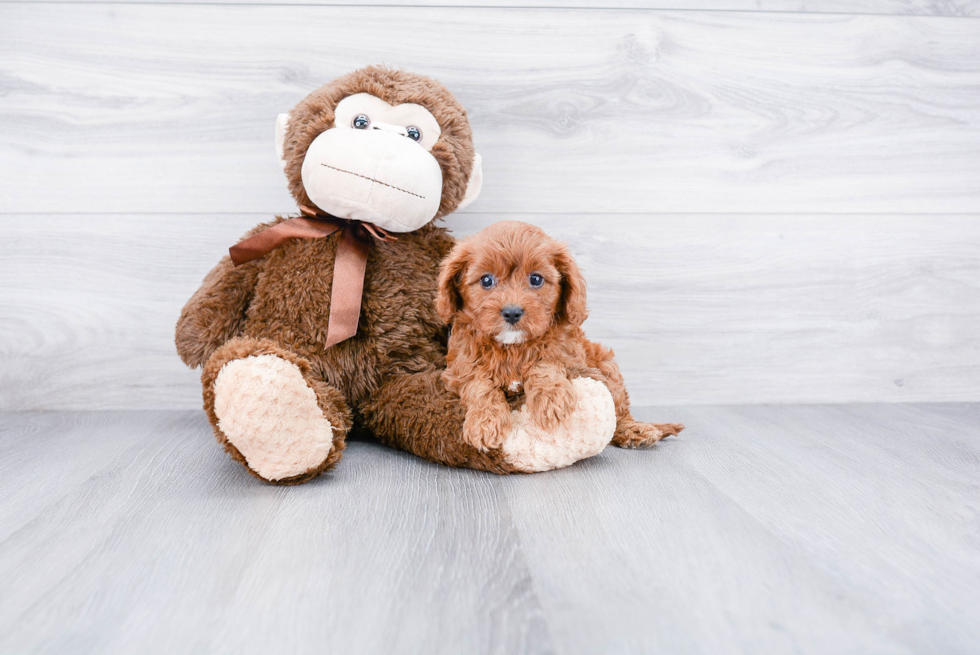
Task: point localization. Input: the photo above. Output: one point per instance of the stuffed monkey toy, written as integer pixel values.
(324, 323)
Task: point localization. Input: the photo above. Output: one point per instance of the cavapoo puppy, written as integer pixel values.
(516, 303)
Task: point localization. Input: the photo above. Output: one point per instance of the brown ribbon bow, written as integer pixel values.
(348, 267)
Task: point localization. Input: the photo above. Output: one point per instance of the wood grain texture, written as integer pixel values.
(808, 529)
(888, 7)
(170, 108)
(816, 529)
(165, 546)
(700, 309)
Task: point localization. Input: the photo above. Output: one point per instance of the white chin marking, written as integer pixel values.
(510, 336)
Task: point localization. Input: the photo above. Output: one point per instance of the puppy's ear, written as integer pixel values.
(571, 305)
(449, 300)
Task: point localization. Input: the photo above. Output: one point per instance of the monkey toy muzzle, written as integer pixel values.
(377, 176)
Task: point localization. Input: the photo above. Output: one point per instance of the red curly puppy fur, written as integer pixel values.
(516, 302)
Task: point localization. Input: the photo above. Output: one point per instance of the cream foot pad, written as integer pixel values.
(267, 411)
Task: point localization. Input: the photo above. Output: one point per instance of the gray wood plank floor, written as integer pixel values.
(814, 529)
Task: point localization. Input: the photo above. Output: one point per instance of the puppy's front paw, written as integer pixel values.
(644, 435)
(486, 429)
(550, 407)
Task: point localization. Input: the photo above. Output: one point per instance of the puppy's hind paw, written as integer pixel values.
(644, 435)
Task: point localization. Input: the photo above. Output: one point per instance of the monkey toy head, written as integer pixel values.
(382, 146)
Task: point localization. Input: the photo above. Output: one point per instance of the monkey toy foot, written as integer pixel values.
(272, 416)
(585, 432)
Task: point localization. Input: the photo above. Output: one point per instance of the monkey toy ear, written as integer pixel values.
(475, 183)
(282, 122)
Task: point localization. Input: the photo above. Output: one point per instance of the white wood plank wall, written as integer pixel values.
(774, 201)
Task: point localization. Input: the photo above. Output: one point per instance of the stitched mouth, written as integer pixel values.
(391, 186)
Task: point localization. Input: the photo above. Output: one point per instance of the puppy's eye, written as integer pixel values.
(536, 280)
(414, 133)
(487, 281)
(361, 122)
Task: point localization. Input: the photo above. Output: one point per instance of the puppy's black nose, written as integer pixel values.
(512, 313)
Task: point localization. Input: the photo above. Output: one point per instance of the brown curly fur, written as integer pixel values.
(385, 379)
(554, 349)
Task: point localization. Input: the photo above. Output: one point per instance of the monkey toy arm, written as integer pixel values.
(417, 413)
(216, 311)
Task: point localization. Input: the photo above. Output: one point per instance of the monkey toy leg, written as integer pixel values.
(630, 433)
(415, 412)
(272, 413)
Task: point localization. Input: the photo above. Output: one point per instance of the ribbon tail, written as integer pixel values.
(261, 244)
(379, 233)
(348, 285)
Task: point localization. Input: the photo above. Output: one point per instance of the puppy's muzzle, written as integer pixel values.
(512, 313)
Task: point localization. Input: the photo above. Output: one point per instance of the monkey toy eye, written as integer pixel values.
(536, 280)
(414, 133)
(487, 281)
(361, 122)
